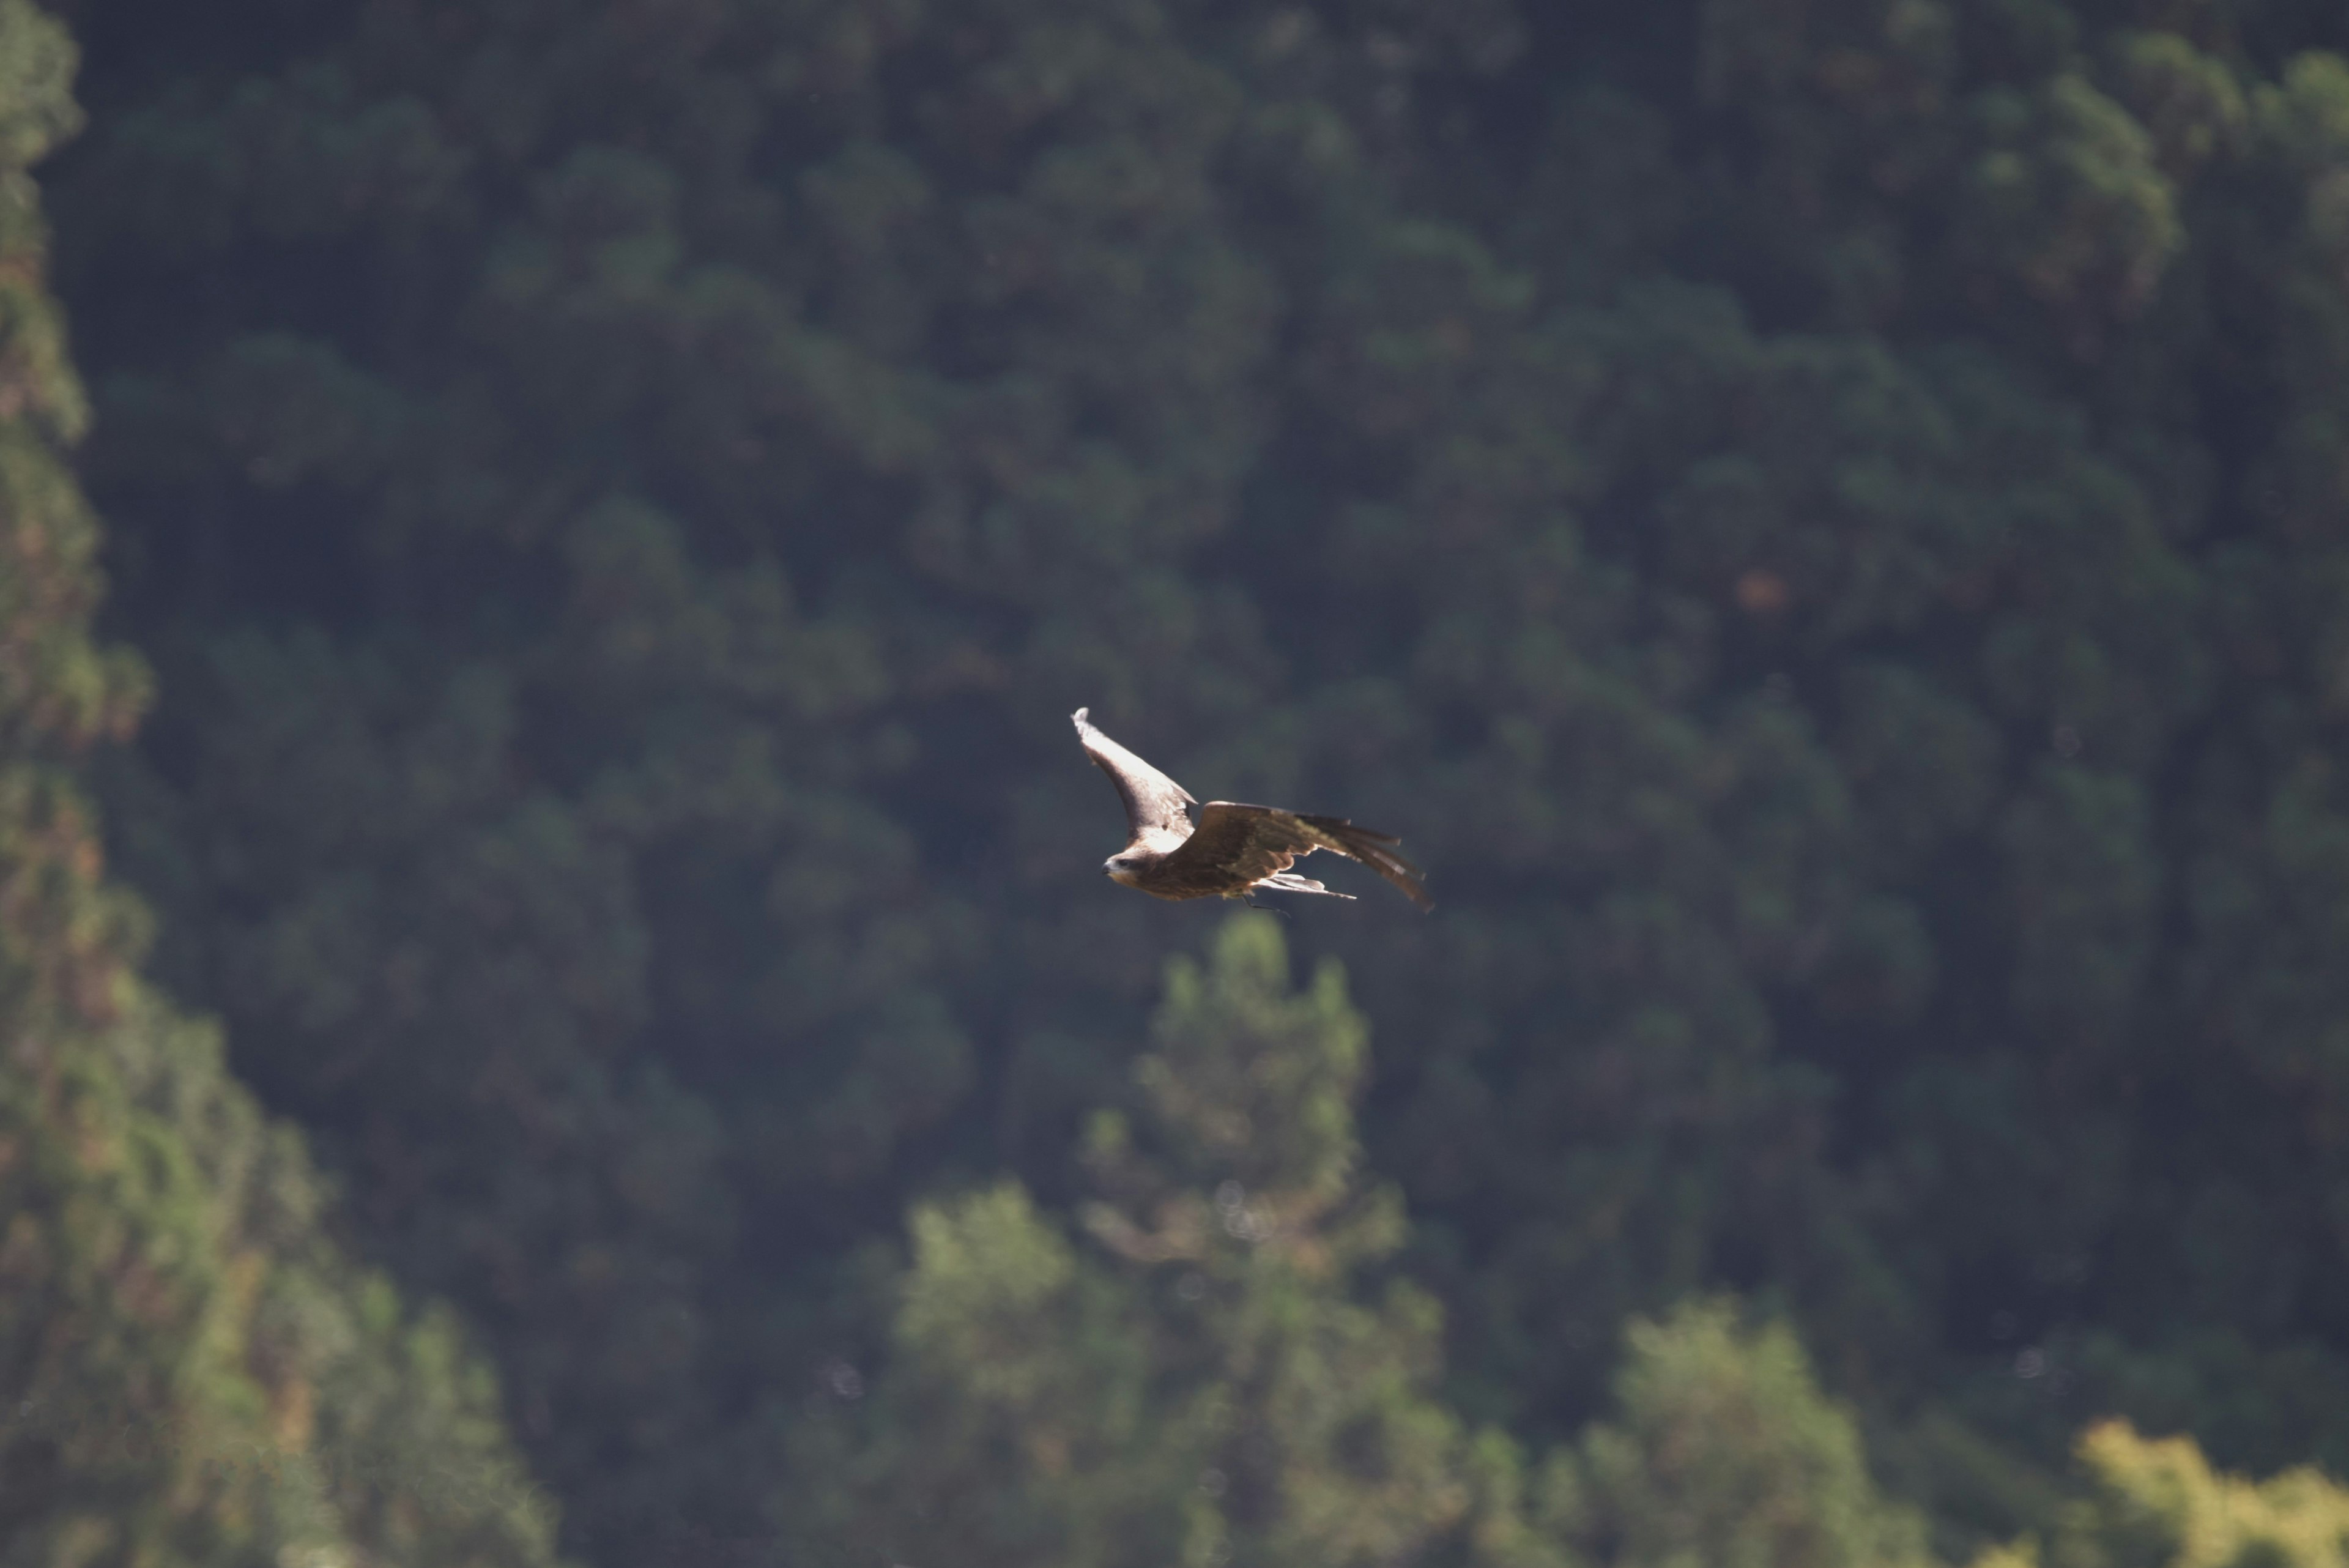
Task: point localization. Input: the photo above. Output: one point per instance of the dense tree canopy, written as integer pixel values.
(1825, 526)
(190, 1372)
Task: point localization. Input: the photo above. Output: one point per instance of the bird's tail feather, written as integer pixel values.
(1375, 850)
(1291, 882)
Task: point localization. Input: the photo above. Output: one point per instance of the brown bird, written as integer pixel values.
(1235, 848)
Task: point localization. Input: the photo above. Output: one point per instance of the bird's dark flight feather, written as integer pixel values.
(1237, 845)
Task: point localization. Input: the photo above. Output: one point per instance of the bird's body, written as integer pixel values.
(1235, 848)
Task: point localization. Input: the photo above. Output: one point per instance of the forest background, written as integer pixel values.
(597, 1033)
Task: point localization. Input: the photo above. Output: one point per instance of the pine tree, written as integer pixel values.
(190, 1372)
(1206, 1377)
(1723, 1453)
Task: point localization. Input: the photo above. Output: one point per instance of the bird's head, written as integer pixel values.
(1122, 869)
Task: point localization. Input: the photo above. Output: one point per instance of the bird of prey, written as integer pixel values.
(1235, 848)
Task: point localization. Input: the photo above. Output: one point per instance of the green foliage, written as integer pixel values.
(1823, 524)
(1247, 1083)
(1206, 1383)
(2070, 200)
(37, 59)
(190, 1372)
(1724, 1452)
(1017, 1423)
(2157, 1503)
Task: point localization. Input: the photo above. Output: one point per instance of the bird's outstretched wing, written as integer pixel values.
(1237, 845)
(1153, 803)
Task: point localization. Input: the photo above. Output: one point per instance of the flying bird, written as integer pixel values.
(1236, 847)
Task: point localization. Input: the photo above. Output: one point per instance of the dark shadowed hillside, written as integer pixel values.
(1826, 526)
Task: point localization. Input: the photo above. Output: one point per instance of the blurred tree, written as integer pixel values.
(1725, 1452)
(189, 1371)
(1207, 1382)
(2158, 1504)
